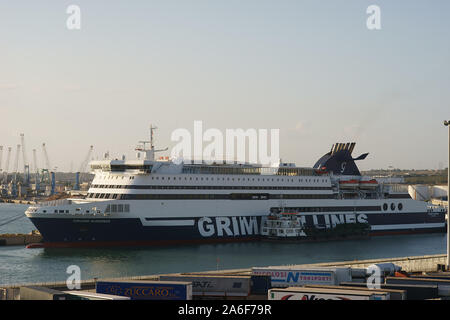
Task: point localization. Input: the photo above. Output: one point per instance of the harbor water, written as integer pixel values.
(21, 265)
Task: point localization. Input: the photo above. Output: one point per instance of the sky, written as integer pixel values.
(309, 68)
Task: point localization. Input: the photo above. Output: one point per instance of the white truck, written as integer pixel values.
(306, 293)
(292, 276)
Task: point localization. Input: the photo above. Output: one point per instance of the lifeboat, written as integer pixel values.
(349, 184)
(322, 170)
(368, 184)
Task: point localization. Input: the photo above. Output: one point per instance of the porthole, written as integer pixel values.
(400, 206)
(385, 206)
(392, 206)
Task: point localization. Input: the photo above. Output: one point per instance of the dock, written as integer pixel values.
(16, 239)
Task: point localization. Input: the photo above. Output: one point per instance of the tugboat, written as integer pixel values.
(291, 225)
(283, 225)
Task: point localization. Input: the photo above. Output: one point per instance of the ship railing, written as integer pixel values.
(395, 188)
(54, 203)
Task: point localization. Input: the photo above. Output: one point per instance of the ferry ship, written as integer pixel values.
(151, 201)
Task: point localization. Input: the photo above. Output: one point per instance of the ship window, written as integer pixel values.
(114, 208)
(126, 207)
(120, 208)
(108, 208)
(392, 206)
(385, 206)
(400, 206)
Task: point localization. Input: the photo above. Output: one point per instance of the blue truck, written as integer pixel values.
(146, 290)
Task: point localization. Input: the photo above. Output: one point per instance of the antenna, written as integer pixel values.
(149, 153)
(152, 128)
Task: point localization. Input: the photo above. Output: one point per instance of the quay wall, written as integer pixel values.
(16, 239)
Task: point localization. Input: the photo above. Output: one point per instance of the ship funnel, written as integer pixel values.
(339, 160)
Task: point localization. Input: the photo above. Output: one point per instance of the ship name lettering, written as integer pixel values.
(227, 226)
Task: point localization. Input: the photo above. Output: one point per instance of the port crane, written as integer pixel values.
(46, 175)
(46, 161)
(26, 165)
(8, 157)
(16, 167)
(36, 171)
(1, 157)
(83, 167)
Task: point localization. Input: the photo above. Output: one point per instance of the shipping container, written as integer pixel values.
(86, 295)
(296, 276)
(443, 285)
(304, 293)
(432, 276)
(413, 292)
(214, 285)
(443, 275)
(146, 290)
(393, 294)
(358, 273)
(259, 284)
(41, 293)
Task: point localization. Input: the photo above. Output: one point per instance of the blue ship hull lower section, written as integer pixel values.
(132, 231)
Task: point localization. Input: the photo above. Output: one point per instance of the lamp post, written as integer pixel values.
(447, 124)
